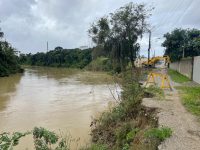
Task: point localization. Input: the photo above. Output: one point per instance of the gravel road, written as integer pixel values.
(185, 126)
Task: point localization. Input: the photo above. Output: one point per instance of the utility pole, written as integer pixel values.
(183, 55)
(149, 45)
(47, 46)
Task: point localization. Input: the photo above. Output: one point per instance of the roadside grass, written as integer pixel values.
(177, 77)
(191, 98)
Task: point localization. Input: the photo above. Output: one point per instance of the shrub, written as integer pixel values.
(100, 64)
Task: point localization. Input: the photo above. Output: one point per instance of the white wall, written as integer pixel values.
(183, 66)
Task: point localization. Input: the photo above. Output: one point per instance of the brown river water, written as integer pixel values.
(57, 99)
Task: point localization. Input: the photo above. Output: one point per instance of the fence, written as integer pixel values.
(189, 67)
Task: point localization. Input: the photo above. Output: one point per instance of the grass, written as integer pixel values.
(159, 133)
(191, 99)
(156, 92)
(89, 77)
(177, 77)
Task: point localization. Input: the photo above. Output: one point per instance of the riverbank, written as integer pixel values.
(129, 124)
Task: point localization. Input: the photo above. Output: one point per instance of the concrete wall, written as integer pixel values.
(175, 66)
(196, 69)
(183, 66)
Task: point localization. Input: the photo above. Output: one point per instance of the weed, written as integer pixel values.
(159, 133)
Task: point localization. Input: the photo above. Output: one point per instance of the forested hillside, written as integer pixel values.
(59, 57)
(8, 60)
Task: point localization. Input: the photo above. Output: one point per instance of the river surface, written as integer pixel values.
(56, 99)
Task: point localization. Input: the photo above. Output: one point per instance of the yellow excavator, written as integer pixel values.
(154, 60)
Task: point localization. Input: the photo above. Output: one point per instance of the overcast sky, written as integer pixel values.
(28, 24)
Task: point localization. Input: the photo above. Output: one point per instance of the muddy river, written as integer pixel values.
(61, 100)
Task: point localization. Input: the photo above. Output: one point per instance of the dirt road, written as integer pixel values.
(172, 114)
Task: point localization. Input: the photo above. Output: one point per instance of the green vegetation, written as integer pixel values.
(182, 39)
(7, 141)
(124, 126)
(59, 57)
(117, 34)
(177, 77)
(43, 140)
(154, 91)
(100, 64)
(159, 133)
(191, 99)
(8, 59)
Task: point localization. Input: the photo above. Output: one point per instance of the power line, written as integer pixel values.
(169, 15)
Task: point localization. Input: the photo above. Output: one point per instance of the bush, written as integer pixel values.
(100, 64)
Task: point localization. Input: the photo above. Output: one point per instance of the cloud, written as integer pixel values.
(28, 24)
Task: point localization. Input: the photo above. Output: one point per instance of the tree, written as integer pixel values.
(58, 48)
(1, 34)
(182, 43)
(72, 58)
(118, 33)
(8, 60)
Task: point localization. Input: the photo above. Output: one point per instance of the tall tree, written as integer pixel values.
(118, 33)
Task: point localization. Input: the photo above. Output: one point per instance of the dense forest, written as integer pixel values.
(59, 57)
(9, 63)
